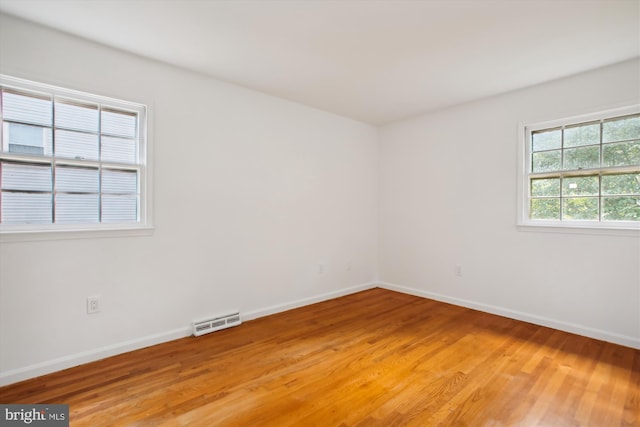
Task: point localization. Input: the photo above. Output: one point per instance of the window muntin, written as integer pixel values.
(70, 160)
(584, 172)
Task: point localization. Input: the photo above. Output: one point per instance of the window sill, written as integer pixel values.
(8, 236)
(579, 228)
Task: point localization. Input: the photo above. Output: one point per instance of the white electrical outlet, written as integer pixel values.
(93, 304)
(320, 268)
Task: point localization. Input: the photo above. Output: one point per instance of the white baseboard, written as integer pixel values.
(573, 328)
(49, 366)
(307, 301)
(43, 368)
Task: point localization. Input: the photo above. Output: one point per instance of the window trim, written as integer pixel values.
(144, 225)
(524, 223)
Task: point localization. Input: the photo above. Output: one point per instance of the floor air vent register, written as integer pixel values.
(215, 323)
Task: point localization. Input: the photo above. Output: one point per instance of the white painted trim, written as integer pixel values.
(83, 357)
(71, 360)
(96, 233)
(612, 337)
(616, 228)
(144, 166)
(580, 229)
(306, 301)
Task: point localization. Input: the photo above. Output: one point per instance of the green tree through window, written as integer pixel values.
(586, 171)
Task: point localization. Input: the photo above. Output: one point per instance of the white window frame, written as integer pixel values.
(144, 225)
(524, 222)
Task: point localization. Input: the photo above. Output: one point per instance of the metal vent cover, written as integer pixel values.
(215, 323)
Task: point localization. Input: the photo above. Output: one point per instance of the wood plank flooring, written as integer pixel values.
(375, 358)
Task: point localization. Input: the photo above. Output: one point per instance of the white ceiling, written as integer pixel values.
(374, 61)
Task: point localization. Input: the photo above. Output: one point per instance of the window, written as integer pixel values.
(584, 172)
(70, 160)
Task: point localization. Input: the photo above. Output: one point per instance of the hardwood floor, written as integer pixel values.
(375, 358)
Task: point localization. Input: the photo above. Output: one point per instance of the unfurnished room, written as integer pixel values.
(320, 213)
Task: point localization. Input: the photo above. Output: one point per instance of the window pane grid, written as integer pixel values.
(606, 190)
(87, 166)
(586, 171)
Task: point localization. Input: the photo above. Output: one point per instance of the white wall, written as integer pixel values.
(251, 193)
(448, 196)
